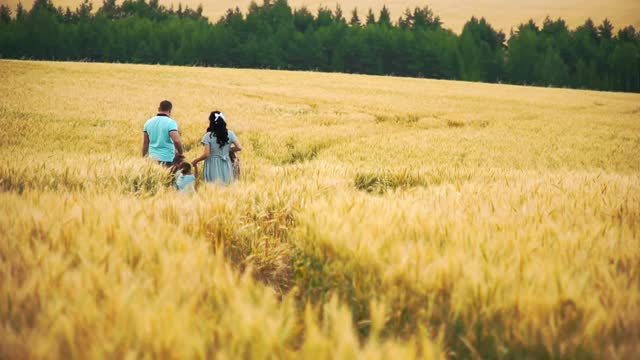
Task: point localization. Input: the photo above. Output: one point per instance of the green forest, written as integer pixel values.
(275, 36)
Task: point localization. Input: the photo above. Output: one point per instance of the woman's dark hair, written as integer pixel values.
(218, 127)
(185, 168)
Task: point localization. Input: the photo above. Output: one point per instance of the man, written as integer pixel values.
(161, 138)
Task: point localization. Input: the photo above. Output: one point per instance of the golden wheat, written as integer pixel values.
(377, 217)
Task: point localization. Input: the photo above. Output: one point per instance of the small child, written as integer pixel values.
(174, 171)
(175, 165)
(185, 182)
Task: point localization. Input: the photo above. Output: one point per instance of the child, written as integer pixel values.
(185, 182)
(174, 171)
(175, 166)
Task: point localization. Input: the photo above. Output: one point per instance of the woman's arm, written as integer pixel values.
(205, 154)
(236, 146)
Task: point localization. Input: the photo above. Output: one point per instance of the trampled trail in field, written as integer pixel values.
(377, 217)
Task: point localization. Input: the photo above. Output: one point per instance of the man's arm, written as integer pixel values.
(145, 144)
(177, 142)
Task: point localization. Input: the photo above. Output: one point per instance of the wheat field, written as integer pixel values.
(377, 217)
(502, 14)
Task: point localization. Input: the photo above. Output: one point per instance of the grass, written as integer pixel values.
(510, 232)
(454, 123)
(398, 119)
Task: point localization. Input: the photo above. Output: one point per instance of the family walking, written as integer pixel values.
(162, 143)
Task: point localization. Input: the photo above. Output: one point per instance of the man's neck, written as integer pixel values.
(163, 114)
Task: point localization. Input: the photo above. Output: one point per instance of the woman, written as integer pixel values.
(217, 146)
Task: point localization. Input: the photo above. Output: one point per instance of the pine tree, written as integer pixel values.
(69, 16)
(524, 60)
(605, 30)
(83, 11)
(481, 51)
(385, 17)
(371, 19)
(20, 12)
(628, 34)
(355, 20)
(108, 9)
(302, 19)
(553, 70)
(423, 18)
(5, 14)
(406, 21)
(625, 62)
(338, 16)
(324, 17)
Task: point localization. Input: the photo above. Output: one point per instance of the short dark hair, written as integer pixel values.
(185, 168)
(165, 105)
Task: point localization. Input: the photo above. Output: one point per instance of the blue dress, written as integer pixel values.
(218, 166)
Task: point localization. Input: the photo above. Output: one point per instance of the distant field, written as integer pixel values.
(378, 218)
(502, 14)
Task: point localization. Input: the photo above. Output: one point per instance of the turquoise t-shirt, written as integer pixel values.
(160, 144)
(185, 183)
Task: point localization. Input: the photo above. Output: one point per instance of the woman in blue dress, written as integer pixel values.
(217, 146)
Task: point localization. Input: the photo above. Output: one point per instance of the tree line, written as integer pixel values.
(273, 35)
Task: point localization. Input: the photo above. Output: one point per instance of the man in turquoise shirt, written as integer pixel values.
(161, 138)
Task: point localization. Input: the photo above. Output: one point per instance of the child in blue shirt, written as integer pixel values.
(185, 181)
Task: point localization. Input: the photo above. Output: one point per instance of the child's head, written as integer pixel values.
(185, 168)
